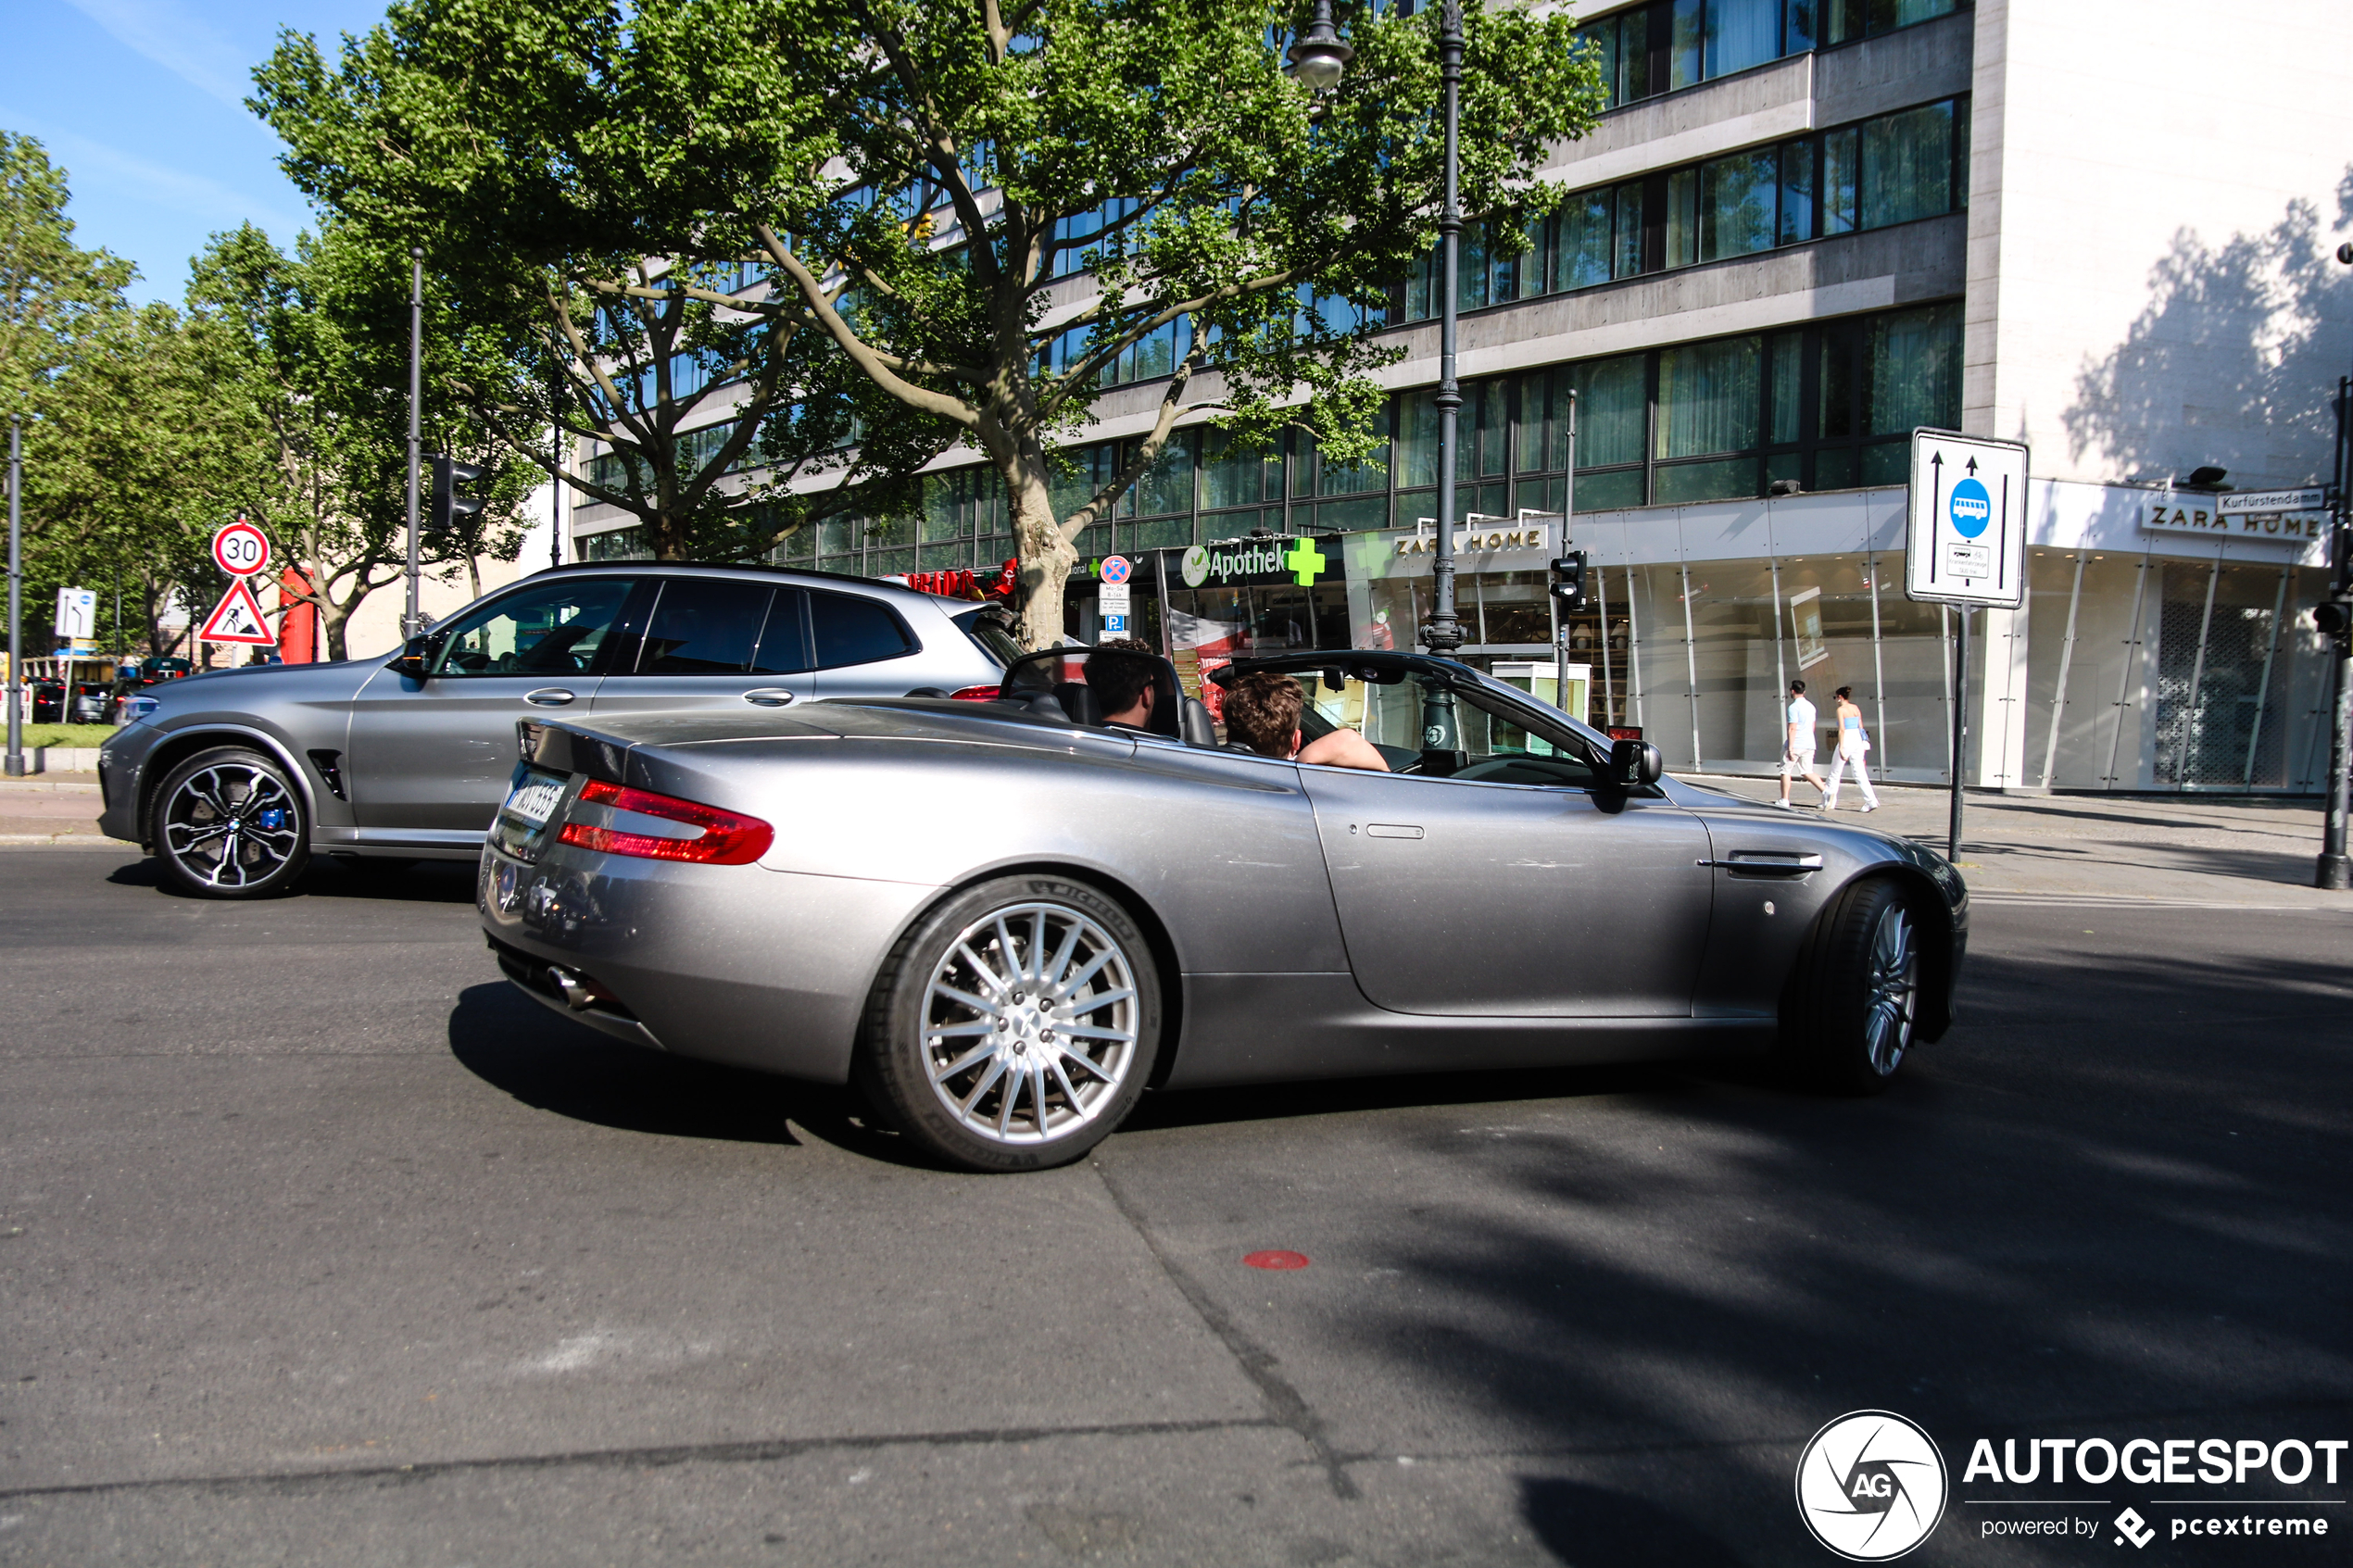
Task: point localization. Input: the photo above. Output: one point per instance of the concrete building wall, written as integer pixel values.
(2156, 190)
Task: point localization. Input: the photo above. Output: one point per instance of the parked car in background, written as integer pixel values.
(1005, 920)
(132, 678)
(235, 778)
(48, 699)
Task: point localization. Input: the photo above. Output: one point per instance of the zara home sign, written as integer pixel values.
(2300, 518)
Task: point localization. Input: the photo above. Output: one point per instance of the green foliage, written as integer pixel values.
(550, 161)
(306, 362)
(962, 213)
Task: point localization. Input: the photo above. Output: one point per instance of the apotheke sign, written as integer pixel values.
(1297, 559)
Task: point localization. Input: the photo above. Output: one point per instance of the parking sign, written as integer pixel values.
(1967, 541)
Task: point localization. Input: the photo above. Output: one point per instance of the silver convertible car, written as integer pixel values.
(1005, 920)
(235, 778)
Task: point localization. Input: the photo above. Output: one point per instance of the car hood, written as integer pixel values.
(243, 691)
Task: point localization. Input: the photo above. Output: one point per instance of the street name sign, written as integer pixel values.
(2247, 503)
(241, 549)
(1965, 543)
(237, 617)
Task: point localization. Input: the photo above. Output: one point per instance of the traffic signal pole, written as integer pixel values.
(15, 764)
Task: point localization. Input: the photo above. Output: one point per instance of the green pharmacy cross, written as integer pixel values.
(1304, 561)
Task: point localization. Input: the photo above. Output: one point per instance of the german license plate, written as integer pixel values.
(534, 801)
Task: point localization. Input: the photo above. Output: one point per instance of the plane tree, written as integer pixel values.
(971, 221)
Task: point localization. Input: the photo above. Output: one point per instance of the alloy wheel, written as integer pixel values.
(231, 826)
(1031, 1024)
(1893, 990)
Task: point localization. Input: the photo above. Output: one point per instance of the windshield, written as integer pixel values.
(1454, 725)
(987, 628)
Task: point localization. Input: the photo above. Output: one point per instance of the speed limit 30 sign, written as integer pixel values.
(241, 549)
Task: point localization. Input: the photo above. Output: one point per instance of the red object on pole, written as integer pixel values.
(298, 626)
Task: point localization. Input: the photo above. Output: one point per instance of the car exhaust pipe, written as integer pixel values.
(577, 995)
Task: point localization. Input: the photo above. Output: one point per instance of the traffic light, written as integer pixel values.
(448, 506)
(2332, 618)
(1568, 583)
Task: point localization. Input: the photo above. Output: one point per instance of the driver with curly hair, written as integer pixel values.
(1261, 715)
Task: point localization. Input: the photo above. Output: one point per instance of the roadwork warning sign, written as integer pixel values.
(237, 617)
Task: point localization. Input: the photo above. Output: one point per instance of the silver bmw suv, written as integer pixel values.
(236, 778)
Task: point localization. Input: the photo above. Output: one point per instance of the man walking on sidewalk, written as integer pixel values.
(1853, 743)
(1797, 747)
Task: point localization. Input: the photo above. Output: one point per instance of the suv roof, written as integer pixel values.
(761, 569)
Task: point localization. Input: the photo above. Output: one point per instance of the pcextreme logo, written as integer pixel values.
(1871, 1485)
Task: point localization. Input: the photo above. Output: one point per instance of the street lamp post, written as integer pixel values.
(1320, 57)
(413, 622)
(1442, 634)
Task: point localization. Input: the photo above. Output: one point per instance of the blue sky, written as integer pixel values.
(141, 102)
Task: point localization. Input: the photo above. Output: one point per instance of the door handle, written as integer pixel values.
(547, 697)
(1392, 830)
(768, 697)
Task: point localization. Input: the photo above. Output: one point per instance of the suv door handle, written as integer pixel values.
(768, 697)
(547, 697)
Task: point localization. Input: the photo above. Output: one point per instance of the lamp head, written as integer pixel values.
(1319, 58)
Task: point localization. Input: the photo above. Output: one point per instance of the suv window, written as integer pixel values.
(853, 630)
(703, 627)
(548, 629)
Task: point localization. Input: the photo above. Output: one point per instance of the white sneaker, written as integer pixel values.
(1786, 805)
(1871, 807)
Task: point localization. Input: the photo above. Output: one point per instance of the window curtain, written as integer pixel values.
(1582, 257)
(1916, 369)
(1233, 477)
(1613, 405)
(1708, 397)
(1418, 439)
(1736, 204)
(1907, 166)
(1742, 33)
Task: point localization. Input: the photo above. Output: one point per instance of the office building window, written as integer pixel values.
(1893, 169)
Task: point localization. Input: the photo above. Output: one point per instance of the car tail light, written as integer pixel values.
(728, 838)
(978, 693)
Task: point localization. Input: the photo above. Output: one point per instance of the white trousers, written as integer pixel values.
(1839, 764)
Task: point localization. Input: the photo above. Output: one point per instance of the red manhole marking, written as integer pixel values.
(1276, 1260)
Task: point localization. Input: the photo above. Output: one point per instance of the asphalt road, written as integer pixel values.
(321, 1245)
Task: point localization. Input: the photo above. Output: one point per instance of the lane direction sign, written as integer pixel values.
(237, 617)
(241, 549)
(1966, 541)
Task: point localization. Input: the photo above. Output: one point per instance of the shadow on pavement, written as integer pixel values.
(1582, 1523)
(423, 881)
(520, 1047)
(2090, 1210)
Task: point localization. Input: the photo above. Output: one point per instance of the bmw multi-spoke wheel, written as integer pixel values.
(1856, 996)
(1014, 1027)
(228, 823)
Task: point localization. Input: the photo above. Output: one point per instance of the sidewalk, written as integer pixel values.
(54, 808)
(2247, 851)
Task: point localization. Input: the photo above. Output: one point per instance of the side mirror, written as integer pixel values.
(411, 659)
(1634, 764)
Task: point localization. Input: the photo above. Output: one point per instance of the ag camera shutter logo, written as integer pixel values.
(1871, 1486)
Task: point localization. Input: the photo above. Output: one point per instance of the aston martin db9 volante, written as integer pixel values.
(233, 778)
(1006, 919)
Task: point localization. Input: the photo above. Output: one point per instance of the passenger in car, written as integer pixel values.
(1125, 685)
(1261, 715)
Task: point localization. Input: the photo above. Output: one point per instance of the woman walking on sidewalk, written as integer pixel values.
(1853, 743)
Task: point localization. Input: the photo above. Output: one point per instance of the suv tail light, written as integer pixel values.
(978, 693)
(728, 838)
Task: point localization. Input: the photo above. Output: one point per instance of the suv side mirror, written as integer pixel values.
(411, 659)
(1634, 764)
